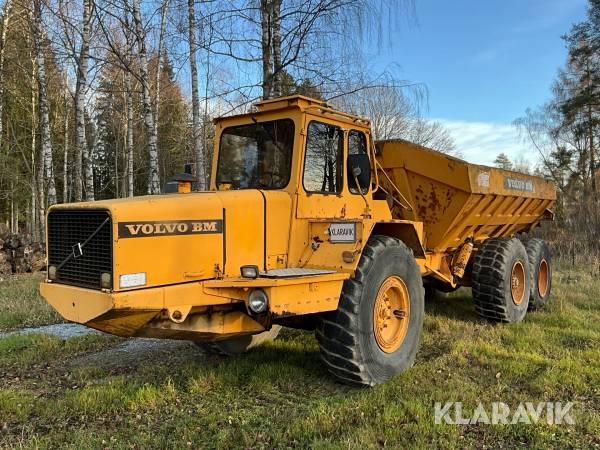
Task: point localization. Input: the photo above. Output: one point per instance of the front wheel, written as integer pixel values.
(374, 334)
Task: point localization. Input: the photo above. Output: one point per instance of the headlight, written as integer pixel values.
(258, 301)
(249, 272)
(105, 280)
(52, 273)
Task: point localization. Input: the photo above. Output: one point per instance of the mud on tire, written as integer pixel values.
(501, 280)
(540, 267)
(347, 337)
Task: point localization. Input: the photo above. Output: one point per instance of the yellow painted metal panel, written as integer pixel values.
(304, 298)
(279, 215)
(456, 200)
(76, 304)
(154, 247)
(244, 229)
(215, 326)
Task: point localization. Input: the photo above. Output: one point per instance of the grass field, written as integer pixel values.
(72, 394)
(21, 306)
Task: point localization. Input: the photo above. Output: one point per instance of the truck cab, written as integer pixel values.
(295, 157)
(283, 215)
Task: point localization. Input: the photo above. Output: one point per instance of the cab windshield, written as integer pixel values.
(256, 156)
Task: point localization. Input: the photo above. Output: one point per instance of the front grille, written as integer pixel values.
(67, 228)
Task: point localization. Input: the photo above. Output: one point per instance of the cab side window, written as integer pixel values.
(323, 162)
(357, 145)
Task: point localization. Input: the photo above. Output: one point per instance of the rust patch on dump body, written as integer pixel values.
(432, 202)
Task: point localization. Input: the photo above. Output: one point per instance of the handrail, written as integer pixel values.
(338, 113)
(409, 207)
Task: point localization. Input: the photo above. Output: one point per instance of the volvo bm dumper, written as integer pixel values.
(307, 223)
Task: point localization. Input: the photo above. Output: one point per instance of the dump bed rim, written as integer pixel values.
(471, 167)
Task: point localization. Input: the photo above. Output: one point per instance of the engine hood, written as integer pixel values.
(180, 238)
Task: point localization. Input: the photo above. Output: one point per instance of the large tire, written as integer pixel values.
(239, 344)
(501, 280)
(356, 345)
(540, 266)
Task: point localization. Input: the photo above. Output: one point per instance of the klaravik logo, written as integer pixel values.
(169, 228)
(552, 413)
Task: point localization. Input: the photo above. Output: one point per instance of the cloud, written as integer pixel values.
(481, 142)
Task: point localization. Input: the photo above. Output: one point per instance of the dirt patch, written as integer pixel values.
(60, 330)
(130, 353)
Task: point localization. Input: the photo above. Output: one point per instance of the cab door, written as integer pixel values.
(321, 193)
(329, 207)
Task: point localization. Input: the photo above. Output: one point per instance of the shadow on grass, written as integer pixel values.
(456, 306)
(293, 356)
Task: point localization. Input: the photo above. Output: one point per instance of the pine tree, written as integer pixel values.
(503, 162)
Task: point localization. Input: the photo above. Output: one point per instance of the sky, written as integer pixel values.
(484, 62)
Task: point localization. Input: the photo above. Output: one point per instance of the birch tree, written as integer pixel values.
(81, 149)
(129, 133)
(159, 54)
(45, 172)
(266, 15)
(65, 195)
(196, 134)
(128, 106)
(140, 35)
(6, 14)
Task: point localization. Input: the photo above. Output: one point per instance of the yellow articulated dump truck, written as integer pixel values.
(308, 223)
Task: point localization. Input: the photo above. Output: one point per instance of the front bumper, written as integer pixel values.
(207, 310)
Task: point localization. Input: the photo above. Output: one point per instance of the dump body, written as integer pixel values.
(456, 200)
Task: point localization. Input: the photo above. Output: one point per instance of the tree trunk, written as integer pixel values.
(66, 149)
(153, 175)
(128, 104)
(45, 171)
(5, 21)
(129, 137)
(266, 13)
(80, 91)
(276, 48)
(591, 155)
(163, 14)
(196, 135)
(207, 71)
(12, 207)
(34, 185)
(88, 172)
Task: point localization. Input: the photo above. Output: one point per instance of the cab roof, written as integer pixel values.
(304, 104)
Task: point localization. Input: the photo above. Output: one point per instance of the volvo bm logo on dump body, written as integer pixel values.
(169, 228)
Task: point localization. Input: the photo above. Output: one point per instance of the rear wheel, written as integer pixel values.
(374, 334)
(501, 280)
(540, 267)
(239, 344)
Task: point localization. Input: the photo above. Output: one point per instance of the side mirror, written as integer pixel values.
(359, 166)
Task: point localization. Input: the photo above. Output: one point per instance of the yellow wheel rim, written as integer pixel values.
(517, 283)
(391, 314)
(542, 281)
